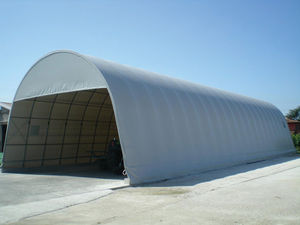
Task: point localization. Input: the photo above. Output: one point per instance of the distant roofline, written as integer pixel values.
(292, 121)
(6, 105)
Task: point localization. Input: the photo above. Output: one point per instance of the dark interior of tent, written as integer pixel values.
(61, 129)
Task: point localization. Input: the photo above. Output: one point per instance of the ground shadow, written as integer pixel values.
(84, 170)
(205, 176)
(93, 171)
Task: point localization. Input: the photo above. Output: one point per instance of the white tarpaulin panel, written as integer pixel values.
(167, 127)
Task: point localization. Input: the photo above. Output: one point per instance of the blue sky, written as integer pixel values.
(247, 47)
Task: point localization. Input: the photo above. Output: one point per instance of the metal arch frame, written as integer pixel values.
(97, 123)
(47, 131)
(62, 144)
(40, 118)
(58, 143)
(27, 133)
(81, 124)
(108, 131)
(66, 122)
(95, 105)
(49, 118)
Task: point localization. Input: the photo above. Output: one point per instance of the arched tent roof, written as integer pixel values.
(167, 127)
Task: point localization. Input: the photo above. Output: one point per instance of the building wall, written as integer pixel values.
(4, 113)
(294, 127)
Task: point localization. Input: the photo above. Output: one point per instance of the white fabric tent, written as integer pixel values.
(69, 105)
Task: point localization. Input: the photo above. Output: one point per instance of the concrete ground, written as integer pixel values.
(265, 192)
(28, 194)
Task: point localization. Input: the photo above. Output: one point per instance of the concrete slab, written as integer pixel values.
(260, 193)
(27, 194)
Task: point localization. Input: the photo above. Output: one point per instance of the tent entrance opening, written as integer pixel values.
(62, 129)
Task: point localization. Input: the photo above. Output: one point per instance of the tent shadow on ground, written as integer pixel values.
(93, 171)
(88, 171)
(206, 176)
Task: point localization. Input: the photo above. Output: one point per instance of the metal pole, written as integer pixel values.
(47, 131)
(96, 127)
(27, 133)
(82, 119)
(66, 123)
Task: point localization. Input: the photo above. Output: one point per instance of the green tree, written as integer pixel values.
(294, 114)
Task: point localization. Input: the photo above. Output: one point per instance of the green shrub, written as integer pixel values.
(296, 140)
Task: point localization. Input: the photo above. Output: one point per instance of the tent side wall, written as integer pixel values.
(169, 127)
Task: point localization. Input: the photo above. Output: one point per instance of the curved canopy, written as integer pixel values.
(167, 127)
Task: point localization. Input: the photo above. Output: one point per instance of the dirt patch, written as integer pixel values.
(168, 191)
(157, 191)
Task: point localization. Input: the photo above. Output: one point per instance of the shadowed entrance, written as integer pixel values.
(61, 129)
